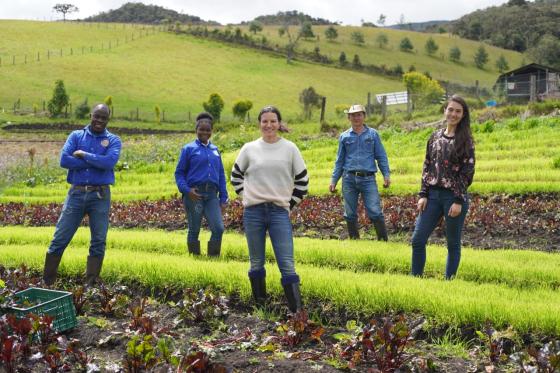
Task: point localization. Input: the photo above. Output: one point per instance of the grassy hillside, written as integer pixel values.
(175, 72)
(438, 66)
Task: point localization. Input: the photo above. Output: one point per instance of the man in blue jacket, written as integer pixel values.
(89, 155)
(359, 149)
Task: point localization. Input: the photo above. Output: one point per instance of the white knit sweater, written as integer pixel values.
(266, 172)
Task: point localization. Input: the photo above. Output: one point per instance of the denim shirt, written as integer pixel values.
(360, 153)
(199, 164)
(101, 155)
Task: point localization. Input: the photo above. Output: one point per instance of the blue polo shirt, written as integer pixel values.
(199, 164)
(360, 152)
(102, 154)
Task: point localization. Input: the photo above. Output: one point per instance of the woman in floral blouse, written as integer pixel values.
(447, 173)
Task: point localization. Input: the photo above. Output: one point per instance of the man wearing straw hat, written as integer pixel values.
(360, 154)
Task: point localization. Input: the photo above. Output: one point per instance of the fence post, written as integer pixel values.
(137, 113)
(13, 60)
(408, 102)
(384, 108)
(163, 115)
(323, 104)
(43, 105)
(533, 88)
(38, 57)
(71, 51)
(25, 60)
(476, 89)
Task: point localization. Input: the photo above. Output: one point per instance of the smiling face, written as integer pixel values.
(454, 113)
(203, 130)
(99, 118)
(357, 119)
(269, 126)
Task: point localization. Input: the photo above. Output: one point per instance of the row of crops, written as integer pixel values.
(509, 288)
(521, 160)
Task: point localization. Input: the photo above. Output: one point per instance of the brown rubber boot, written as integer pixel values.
(380, 229)
(93, 269)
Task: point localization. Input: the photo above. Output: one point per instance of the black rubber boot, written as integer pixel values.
(380, 229)
(194, 247)
(258, 286)
(51, 268)
(214, 248)
(93, 269)
(293, 296)
(353, 230)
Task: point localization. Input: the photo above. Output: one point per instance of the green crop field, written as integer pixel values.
(518, 160)
(175, 72)
(439, 66)
(508, 288)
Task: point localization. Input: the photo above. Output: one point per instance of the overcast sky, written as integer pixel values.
(348, 12)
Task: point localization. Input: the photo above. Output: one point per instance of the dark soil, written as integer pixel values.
(66, 127)
(497, 221)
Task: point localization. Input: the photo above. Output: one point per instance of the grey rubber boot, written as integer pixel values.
(258, 286)
(293, 296)
(214, 248)
(194, 247)
(353, 230)
(380, 229)
(51, 268)
(93, 269)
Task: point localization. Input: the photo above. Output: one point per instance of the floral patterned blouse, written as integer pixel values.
(440, 171)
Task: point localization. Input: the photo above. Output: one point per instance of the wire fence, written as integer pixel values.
(131, 33)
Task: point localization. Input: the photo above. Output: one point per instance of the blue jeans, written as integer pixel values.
(259, 219)
(209, 207)
(352, 186)
(439, 202)
(96, 205)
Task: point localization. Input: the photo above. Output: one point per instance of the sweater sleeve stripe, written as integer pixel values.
(237, 178)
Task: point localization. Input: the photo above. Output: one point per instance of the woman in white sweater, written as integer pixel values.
(270, 175)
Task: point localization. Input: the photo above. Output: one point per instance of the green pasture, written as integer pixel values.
(508, 288)
(439, 66)
(508, 160)
(176, 72)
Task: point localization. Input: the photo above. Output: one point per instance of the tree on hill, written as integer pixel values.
(357, 37)
(309, 99)
(306, 30)
(455, 54)
(481, 57)
(65, 9)
(59, 100)
(431, 46)
(331, 34)
(291, 18)
(406, 45)
(502, 64)
(516, 25)
(381, 20)
(292, 43)
(382, 40)
(150, 14)
(255, 27)
(547, 51)
(342, 59)
(356, 63)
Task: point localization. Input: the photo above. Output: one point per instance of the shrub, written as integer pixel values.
(309, 98)
(406, 45)
(339, 110)
(59, 99)
(431, 46)
(382, 40)
(511, 111)
(342, 59)
(214, 106)
(82, 110)
(425, 90)
(356, 63)
(544, 107)
(488, 126)
(157, 114)
(481, 57)
(531, 123)
(488, 114)
(357, 37)
(514, 124)
(556, 162)
(331, 34)
(455, 54)
(502, 64)
(241, 108)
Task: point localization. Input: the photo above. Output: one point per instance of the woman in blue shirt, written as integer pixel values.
(201, 179)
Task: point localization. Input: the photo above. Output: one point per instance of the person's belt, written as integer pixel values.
(90, 188)
(361, 173)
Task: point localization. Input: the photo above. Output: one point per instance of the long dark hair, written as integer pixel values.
(273, 109)
(463, 134)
